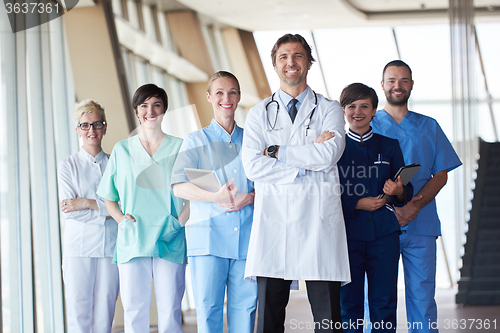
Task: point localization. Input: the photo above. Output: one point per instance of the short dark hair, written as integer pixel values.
(289, 38)
(219, 75)
(397, 63)
(147, 91)
(357, 91)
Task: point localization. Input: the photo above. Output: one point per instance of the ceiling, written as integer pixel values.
(253, 15)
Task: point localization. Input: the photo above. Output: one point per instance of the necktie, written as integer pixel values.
(293, 109)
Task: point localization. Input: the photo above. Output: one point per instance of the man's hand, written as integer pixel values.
(370, 203)
(240, 200)
(409, 211)
(401, 220)
(325, 136)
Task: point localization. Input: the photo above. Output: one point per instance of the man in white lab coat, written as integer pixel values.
(292, 142)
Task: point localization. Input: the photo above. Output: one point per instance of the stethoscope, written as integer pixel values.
(306, 123)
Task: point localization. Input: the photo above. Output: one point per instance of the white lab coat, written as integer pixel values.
(298, 231)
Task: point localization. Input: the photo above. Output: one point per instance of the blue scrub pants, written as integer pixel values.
(379, 259)
(419, 264)
(210, 275)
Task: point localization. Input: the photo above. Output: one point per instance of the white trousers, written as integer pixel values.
(136, 282)
(91, 289)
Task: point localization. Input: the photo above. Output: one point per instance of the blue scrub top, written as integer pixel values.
(422, 141)
(366, 164)
(141, 183)
(209, 230)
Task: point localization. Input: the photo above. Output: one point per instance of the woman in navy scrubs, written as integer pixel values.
(369, 163)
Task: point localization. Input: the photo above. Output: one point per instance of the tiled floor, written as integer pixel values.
(449, 314)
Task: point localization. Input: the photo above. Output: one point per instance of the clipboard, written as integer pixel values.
(406, 172)
(205, 179)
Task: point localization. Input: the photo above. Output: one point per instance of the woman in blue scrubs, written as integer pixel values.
(151, 241)
(219, 226)
(366, 168)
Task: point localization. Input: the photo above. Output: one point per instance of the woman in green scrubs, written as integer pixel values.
(151, 241)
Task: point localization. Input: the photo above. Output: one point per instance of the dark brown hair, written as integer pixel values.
(145, 92)
(397, 63)
(357, 91)
(289, 38)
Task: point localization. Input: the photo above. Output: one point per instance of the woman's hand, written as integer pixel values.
(127, 216)
(226, 193)
(240, 200)
(71, 205)
(370, 203)
(325, 136)
(115, 212)
(393, 188)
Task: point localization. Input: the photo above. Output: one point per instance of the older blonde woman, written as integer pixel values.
(90, 278)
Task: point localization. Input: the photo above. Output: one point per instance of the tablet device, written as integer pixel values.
(406, 172)
(205, 179)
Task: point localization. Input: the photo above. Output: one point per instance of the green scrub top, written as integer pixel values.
(141, 184)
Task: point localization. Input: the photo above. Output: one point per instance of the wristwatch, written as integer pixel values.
(271, 151)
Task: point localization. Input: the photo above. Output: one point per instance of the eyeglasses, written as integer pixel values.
(97, 125)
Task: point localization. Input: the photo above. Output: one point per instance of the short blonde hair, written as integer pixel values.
(87, 106)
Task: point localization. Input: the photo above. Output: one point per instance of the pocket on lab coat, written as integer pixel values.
(171, 229)
(330, 208)
(312, 135)
(127, 234)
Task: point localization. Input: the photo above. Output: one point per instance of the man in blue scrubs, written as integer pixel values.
(422, 141)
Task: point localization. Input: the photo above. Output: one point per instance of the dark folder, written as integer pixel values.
(406, 172)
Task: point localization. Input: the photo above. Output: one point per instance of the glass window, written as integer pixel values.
(158, 78)
(129, 71)
(35, 94)
(141, 72)
(117, 7)
(355, 55)
(149, 22)
(487, 35)
(175, 93)
(180, 119)
(133, 14)
(9, 260)
(208, 35)
(429, 59)
(166, 38)
(216, 47)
